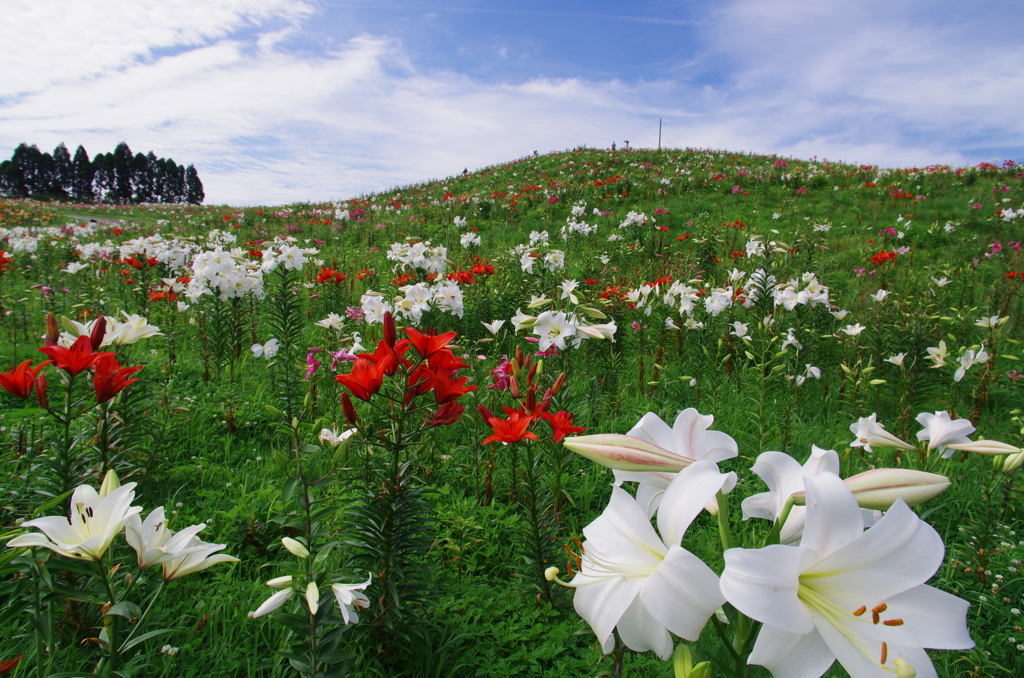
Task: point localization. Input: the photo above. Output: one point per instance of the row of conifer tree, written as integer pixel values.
(119, 177)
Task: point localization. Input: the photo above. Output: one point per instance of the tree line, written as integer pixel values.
(119, 177)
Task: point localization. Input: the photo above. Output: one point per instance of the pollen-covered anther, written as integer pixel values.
(885, 654)
(893, 622)
(877, 611)
(860, 610)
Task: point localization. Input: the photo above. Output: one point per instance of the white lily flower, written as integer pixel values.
(350, 600)
(853, 330)
(333, 438)
(990, 322)
(87, 532)
(190, 554)
(938, 354)
(897, 359)
(494, 326)
(133, 328)
(869, 432)
(267, 350)
(643, 582)
(553, 328)
(690, 440)
(840, 314)
(784, 477)
(843, 593)
(521, 321)
(880, 295)
(740, 330)
(312, 597)
(940, 430)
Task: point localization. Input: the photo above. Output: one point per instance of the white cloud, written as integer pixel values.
(267, 124)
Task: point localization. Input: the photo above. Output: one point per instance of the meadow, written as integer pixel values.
(401, 410)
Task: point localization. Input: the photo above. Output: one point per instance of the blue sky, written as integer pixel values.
(285, 100)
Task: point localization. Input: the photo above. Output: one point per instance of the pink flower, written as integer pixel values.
(354, 313)
(313, 364)
(341, 355)
(859, 271)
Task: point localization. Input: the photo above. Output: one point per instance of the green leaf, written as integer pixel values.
(288, 489)
(144, 637)
(50, 503)
(126, 609)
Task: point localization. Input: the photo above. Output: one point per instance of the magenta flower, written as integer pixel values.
(313, 364)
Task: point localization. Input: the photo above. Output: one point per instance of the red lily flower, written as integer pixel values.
(76, 359)
(387, 358)
(561, 424)
(19, 381)
(110, 378)
(448, 388)
(366, 379)
(510, 430)
(449, 413)
(428, 344)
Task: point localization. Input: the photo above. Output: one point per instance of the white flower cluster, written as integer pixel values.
(552, 261)
(805, 291)
(419, 255)
(133, 329)
(555, 328)
(634, 219)
(470, 239)
(415, 300)
(227, 275)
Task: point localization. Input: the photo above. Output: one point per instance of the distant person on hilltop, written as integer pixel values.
(613, 145)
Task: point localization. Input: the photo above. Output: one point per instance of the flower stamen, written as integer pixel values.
(860, 610)
(885, 653)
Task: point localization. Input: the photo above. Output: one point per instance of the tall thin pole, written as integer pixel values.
(659, 134)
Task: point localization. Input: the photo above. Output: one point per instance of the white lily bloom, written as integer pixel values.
(740, 330)
(853, 330)
(896, 359)
(843, 593)
(969, 359)
(553, 329)
(350, 599)
(840, 314)
(87, 532)
(190, 554)
(493, 327)
(133, 328)
(521, 321)
(990, 322)
(267, 350)
(938, 354)
(784, 477)
(689, 439)
(868, 432)
(333, 438)
(940, 430)
(643, 582)
(880, 295)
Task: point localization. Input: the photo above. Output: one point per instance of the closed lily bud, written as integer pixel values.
(484, 412)
(1012, 462)
(513, 386)
(984, 447)
(390, 334)
(110, 483)
(514, 366)
(531, 398)
(99, 330)
(40, 384)
(519, 356)
(625, 453)
(280, 582)
(556, 387)
(349, 409)
(52, 329)
(294, 547)
(878, 489)
(312, 597)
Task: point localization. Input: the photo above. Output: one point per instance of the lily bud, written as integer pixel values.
(99, 329)
(1012, 462)
(556, 388)
(539, 368)
(514, 366)
(879, 488)
(519, 355)
(294, 547)
(312, 597)
(349, 409)
(280, 582)
(513, 387)
(985, 447)
(683, 667)
(52, 329)
(110, 483)
(625, 453)
(40, 384)
(484, 412)
(390, 334)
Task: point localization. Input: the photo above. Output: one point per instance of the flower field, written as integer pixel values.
(593, 413)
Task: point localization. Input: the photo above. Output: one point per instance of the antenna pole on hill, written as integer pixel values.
(659, 134)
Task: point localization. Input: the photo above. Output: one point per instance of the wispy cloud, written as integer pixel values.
(238, 91)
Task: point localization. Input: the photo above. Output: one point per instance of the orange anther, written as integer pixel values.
(893, 622)
(880, 609)
(885, 653)
(859, 611)
(874, 617)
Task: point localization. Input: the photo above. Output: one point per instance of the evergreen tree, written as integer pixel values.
(22, 172)
(145, 178)
(81, 176)
(194, 194)
(104, 182)
(60, 184)
(123, 166)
